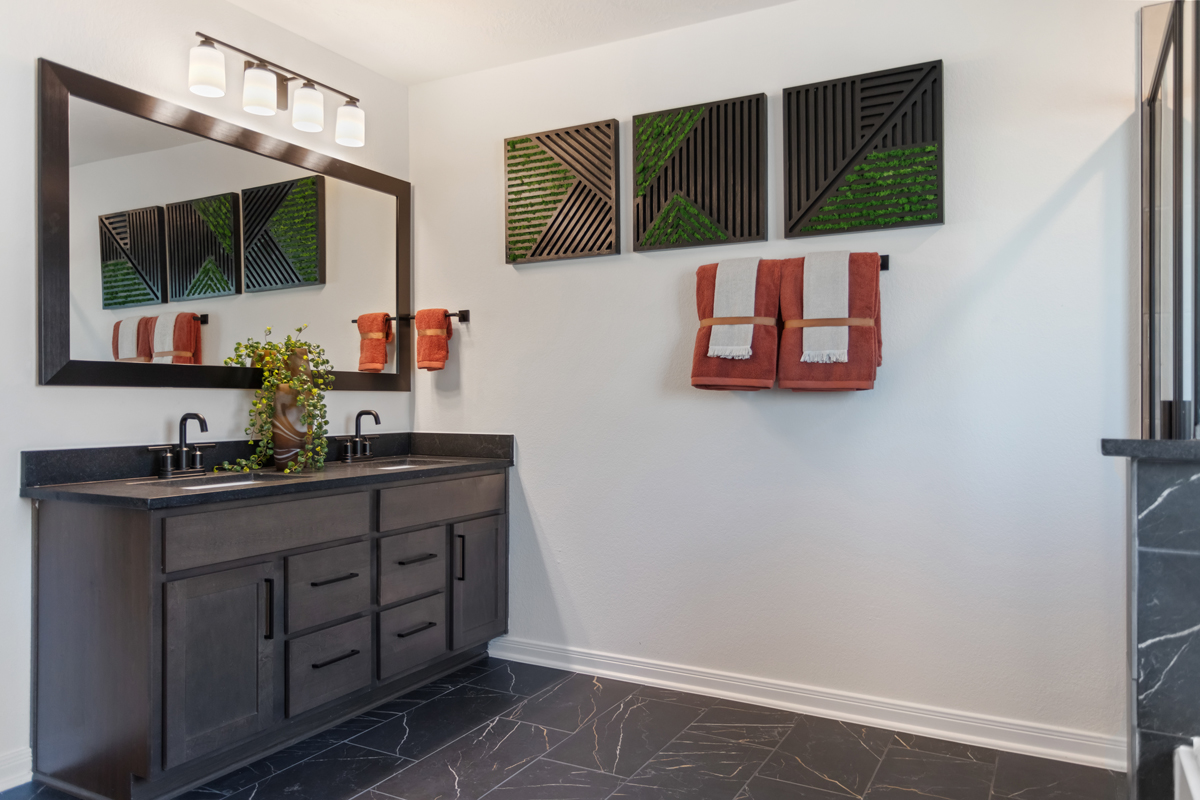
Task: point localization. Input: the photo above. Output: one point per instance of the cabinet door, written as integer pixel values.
(217, 682)
(480, 581)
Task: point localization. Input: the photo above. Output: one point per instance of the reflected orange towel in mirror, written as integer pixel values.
(377, 333)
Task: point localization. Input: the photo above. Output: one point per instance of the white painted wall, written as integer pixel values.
(142, 44)
(945, 552)
(360, 253)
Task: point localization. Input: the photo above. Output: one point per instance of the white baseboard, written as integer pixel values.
(16, 768)
(1030, 738)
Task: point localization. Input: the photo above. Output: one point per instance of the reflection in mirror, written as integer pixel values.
(299, 249)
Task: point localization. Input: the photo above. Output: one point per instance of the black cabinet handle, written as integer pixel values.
(418, 559)
(462, 557)
(352, 575)
(342, 657)
(270, 634)
(417, 630)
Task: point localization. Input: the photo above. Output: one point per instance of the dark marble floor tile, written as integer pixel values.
(1029, 778)
(762, 735)
(695, 767)
(469, 767)
(549, 780)
(731, 712)
(339, 773)
(760, 788)
(203, 794)
(275, 763)
(522, 679)
(468, 673)
(676, 696)
(26, 791)
(430, 725)
(625, 737)
(927, 744)
(415, 697)
(573, 703)
(827, 754)
(905, 774)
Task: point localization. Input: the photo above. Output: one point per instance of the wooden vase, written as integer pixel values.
(288, 432)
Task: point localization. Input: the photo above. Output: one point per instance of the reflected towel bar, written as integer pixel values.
(463, 316)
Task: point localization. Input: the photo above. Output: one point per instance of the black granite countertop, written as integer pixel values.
(1162, 449)
(124, 476)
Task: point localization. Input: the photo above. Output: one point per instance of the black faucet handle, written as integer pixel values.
(166, 459)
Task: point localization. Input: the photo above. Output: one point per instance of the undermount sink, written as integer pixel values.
(198, 482)
(409, 462)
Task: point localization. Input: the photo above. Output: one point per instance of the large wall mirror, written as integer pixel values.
(165, 236)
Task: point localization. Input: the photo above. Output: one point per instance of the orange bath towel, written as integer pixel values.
(865, 352)
(377, 333)
(749, 374)
(433, 338)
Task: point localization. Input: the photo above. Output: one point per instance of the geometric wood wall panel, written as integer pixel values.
(284, 234)
(560, 194)
(133, 258)
(700, 175)
(865, 152)
(204, 247)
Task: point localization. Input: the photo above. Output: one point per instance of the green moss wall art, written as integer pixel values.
(284, 227)
(865, 152)
(700, 175)
(560, 194)
(204, 247)
(133, 258)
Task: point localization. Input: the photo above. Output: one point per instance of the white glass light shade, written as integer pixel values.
(351, 126)
(206, 70)
(259, 91)
(308, 111)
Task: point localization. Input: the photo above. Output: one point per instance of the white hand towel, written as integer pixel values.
(733, 296)
(164, 338)
(127, 330)
(826, 296)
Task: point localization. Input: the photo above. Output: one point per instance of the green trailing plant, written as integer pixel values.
(310, 385)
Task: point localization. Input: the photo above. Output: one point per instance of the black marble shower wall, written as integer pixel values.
(1165, 619)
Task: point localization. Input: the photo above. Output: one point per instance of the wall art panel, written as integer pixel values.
(204, 247)
(133, 258)
(561, 191)
(284, 229)
(865, 152)
(700, 175)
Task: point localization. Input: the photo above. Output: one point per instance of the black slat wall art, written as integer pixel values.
(284, 234)
(700, 175)
(204, 247)
(133, 258)
(561, 190)
(864, 152)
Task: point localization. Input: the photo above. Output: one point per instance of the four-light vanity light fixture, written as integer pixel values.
(265, 89)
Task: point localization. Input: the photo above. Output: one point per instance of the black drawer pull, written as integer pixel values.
(352, 575)
(418, 559)
(324, 664)
(417, 630)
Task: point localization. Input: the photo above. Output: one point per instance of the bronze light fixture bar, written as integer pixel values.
(283, 72)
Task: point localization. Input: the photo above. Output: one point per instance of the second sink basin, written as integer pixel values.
(408, 462)
(219, 480)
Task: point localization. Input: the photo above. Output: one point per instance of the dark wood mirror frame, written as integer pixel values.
(56, 86)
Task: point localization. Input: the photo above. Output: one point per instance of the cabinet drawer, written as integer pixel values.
(406, 506)
(412, 564)
(411, 634)
(196, 540)
(327, 584)
(329, 664)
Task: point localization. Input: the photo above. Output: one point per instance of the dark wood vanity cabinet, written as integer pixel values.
(175, 645)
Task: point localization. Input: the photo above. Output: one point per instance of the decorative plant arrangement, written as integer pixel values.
(288, 416)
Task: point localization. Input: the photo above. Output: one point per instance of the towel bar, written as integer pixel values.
(463, 316)
(883, 263)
